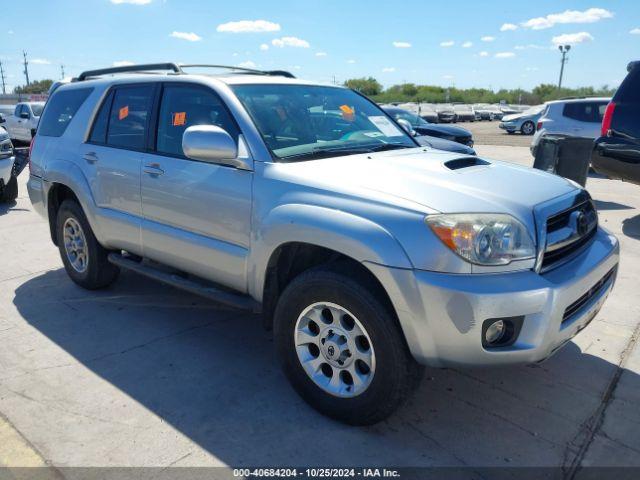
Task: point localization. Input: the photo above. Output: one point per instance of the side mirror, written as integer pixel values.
(25, 115)
(406, 126)
(212, 144)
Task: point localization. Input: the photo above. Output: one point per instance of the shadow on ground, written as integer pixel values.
(631, 227)
(211, 374)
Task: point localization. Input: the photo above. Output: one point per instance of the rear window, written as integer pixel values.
(61, 109)
(629, 91)
(129, 117)
(585, 111)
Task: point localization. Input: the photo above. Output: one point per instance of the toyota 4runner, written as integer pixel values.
(367, 254)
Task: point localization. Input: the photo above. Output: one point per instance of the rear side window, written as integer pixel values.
(183, 106)
(61, 109)
(585, 111)
(99, 130)
(129, 116)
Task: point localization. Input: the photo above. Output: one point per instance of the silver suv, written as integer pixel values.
(367, 254)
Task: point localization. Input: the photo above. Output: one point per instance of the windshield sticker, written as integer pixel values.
(385, 126)
(123, 113)
(374, 134)
(347, 112)
(179, 119)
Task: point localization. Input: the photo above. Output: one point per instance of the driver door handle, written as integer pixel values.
(90, 157)
(153, 169)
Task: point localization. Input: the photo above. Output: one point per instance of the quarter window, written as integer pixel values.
(61, 109)
(183, 106)
(129, 116)
(585, 111)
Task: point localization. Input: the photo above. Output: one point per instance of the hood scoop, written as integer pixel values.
(465, 162)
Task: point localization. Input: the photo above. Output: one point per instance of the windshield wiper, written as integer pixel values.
(320, 152)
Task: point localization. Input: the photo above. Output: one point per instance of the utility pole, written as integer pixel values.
(564, 49)
(4, 87)
(62, 72)
(26, 67)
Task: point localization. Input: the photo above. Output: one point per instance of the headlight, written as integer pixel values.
(484, 239)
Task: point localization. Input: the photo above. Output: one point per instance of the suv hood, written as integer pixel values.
(444, 129)
(424, 180)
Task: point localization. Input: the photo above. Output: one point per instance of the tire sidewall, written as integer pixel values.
(72, 209)
(379, 324)
(533, 129)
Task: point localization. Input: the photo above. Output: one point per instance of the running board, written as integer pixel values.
(235, 300)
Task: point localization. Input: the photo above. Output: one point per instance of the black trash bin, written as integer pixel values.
(568, 157)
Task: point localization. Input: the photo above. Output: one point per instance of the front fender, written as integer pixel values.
(356, 237)
(70, 175)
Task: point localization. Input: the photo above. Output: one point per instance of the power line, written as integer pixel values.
(26, 67)
(4, 87)
(62, 71)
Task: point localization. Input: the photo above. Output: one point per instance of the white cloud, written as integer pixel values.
(448, 77)
(508, 26)
(132, 2)
(402, 44)
(505, 55)
(248, 26)
(189, 36)
(10, 32)
(448, 43)
(290, 42)
(484, 54)
(635, 31)
(351, 61)
(488, 38)
(467, 45)
(389, 69)
(264, 47)
(529, 46)
(40, 61)
(532, 69)
(591, 15)
(572, 38)
(247, 64)
(122, 63)
(321, 54)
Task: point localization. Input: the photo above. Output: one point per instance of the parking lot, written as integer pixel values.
(488, 133)
(142, 374)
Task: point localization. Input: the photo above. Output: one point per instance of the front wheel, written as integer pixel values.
(341, 348)
(84, 259)
(528, 128)
(10, 191)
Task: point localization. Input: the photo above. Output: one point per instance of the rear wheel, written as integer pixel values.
(528, 128)
(10, 191)
(341, 348)
(84, 259)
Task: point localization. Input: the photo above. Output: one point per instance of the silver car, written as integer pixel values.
(524, 122)
(367, 254)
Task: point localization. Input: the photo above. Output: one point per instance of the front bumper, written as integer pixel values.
(442, 314)
(509, 127)
(6, 167)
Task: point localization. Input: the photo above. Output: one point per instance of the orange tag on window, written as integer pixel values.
(123, 113)
(347, 112)
(179, 119)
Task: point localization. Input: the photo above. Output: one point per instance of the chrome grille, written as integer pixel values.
(567, 228)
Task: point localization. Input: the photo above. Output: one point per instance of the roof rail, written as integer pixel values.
(633, 65)
(253, 71)
(130, 68)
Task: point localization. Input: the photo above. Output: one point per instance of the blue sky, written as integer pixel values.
(463, 43)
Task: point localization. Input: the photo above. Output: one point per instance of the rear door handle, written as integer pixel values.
(90, 157)
(153, 169)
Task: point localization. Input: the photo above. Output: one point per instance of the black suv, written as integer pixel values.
(617, 151)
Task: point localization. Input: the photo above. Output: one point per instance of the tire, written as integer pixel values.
(394, 375)
(510, 132)
(528, 128)
(10, 191)
(97, 272)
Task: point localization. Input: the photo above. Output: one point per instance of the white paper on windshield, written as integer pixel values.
(385, 126)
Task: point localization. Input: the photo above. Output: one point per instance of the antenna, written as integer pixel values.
(4, 88)
(26, 67)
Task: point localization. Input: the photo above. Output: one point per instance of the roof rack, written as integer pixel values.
(253, 71)
(130, 68)
(177, 69)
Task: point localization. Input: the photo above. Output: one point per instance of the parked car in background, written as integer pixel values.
(464, 113)
(6, 110)
(446, 114)
(422, 127)
(482, 111)
(428, 112)
(22, 124)
(509, 110)
(495, 112)
(576, 117)
(617, 150)
(524, 122)
(8, 182)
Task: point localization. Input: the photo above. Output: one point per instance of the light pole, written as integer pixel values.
(564, 49)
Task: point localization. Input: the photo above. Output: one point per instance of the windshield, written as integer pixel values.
(412, 118)
(36, 108)
(534, 110)
(303, 122)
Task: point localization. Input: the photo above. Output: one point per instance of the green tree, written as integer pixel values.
(39, 86)
(367, 86)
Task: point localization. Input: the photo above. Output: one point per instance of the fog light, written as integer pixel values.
(495, 332)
